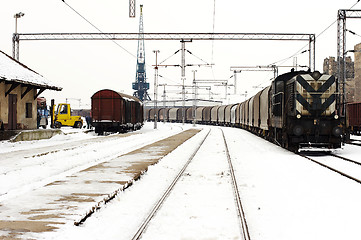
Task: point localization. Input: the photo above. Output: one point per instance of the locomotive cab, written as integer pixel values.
(311, 111)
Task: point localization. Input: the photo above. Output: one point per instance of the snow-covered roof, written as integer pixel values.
(14, 71)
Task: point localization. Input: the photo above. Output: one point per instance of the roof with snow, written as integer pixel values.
(16, 72)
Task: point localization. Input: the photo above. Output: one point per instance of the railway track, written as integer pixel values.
(160, 202)
(55, 161)
(241, 215)
(346, 167)
(355, 142)
(238, 204)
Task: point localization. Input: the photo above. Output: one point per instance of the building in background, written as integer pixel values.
(353, 74)
(357, 79)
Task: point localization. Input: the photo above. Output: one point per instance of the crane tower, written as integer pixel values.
(140, 85)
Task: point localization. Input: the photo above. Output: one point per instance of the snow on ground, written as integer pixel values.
(284, 195)
(289, 197)
(202, 204)
(126, 212)
(17, 169)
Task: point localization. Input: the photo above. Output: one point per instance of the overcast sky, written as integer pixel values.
(84, 67)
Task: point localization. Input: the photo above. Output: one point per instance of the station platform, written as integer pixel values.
(74, 197)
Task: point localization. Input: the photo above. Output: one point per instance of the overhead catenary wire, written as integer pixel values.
(353, 33)
(80, 15)
(93, 25)
(169, 57)
(198, 57)
(318, 35)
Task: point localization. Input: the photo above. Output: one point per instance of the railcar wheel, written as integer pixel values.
(99, 131)
(289, 145)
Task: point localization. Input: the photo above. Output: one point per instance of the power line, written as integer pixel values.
(352, 32)
(301, 50)
(103, 32)
(198, 58)
(97, 28)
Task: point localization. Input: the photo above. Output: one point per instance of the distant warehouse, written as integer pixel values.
(19, 88)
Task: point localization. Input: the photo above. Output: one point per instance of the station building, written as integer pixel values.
(19, 88)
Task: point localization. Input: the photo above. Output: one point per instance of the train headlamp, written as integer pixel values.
(336, 116)
(298, 130)
(316, 75)
(298, 116)
(337, 131)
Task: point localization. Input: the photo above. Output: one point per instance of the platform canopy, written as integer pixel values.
(16, 73)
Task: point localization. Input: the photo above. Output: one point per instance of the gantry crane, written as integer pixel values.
(140, 85)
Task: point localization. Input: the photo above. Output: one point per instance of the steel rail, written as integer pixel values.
(354, 142)
(345, 159)
(243, 222)
(160, 202)
(334, 169)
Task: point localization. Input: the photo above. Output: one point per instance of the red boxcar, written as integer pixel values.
(354, 117)
(115, 112)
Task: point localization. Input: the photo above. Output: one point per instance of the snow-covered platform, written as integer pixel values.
(75, 196)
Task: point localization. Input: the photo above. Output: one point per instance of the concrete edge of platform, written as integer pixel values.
(29, 135)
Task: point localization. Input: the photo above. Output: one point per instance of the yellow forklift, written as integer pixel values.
(61, 116)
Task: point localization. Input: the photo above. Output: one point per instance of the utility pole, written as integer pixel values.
(183, 67)
(194, 98)
(16, 37)
(183, 76)
(235, 80)
(342, 15)
(164, 101)
(155, 88)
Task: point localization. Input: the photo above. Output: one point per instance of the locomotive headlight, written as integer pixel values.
(337, 131)
(298, 130)
(336, 116)
(316, 75)
(298, 116)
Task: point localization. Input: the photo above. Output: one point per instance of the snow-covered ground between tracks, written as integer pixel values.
(284, 196)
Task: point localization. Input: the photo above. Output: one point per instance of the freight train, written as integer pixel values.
(299, 109)
(354, 117)
(115, 112)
